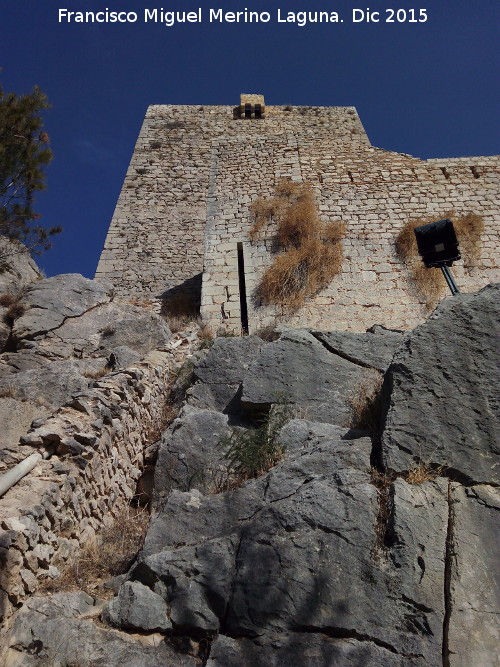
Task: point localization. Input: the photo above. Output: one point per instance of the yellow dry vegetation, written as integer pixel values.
(309, 251)
(430, 283)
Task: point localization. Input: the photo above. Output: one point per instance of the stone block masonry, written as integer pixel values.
(99, 439)
(184, 210)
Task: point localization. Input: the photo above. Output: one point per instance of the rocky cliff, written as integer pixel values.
(362, 530)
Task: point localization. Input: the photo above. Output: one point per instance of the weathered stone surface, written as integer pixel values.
(441, 397)
(416, 540)
(189, 455)
(17, 267)
(55, 631)
(220, 372)
(123, 356)
(16, 417)
(474, 631)
(49, 302)
(299, 369)
(4, 330)
(17, 270)
(51, 385)
(374, 349)
(196, 581)
(136, 607)
(24, 360)
(313, 650)
(101, 330)
(296, 550)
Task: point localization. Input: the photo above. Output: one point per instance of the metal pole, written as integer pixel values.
(450, 280)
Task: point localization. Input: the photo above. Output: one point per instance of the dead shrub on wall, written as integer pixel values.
(430, 283)
(309, 251)
(109, 554)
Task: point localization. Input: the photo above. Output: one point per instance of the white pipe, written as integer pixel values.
(8, 479)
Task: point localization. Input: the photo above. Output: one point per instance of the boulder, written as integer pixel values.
(441, 393)
(373, 349)
(50, 302)
(311, 649)
(105, 329)
(51, 385)
(16, 417)
(298, 368)
(123, 356)
(24, 360)
(220, 373)
(474, 589)
(302, 550)
(59, 630)
(17, 269)
(136, 607)
(189, 454)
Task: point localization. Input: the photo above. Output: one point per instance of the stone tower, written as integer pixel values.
(180, 232)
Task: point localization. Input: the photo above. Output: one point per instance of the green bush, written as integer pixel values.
(252, 452)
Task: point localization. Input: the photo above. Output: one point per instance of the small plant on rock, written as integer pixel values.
(7, 299)
(423, 472)
(366, 404)
(252, 452)
(111, 553)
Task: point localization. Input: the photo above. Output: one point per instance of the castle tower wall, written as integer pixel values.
(184, 211)
(156, 238)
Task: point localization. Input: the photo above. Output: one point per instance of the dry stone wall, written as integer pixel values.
(184, 210)
(99, 441)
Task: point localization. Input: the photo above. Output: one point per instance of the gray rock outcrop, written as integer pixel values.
(220, 373)
(17, 271)
(374, 349)
(136, 607)
(49, 302)
(59, 631)
(66, 333)
(474, 582)
(190, 454)
(300, 369)
(441, 394)
(347, 551)
(291, 554)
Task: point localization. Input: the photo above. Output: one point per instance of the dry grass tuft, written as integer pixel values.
(176, 323)
(205, 336)
(7, 299)
(430, 283)
(14, 311)
(366, 405)
(9, 392)
(311, 251)
(107, 331)
(268, 333)
(95, 375)
(111, 553)
(423, 472)
(469, 228)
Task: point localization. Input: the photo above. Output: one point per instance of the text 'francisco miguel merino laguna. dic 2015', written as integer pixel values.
(171, 18)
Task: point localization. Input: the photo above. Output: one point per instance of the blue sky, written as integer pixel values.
(429, 89)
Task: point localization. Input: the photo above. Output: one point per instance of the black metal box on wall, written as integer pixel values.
(437, 243)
